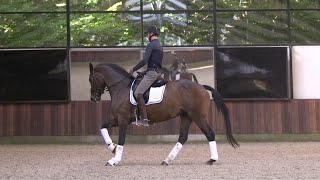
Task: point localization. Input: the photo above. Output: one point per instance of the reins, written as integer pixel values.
(107, 88)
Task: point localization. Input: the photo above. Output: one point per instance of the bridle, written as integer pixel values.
(94, 88)
(99, 91)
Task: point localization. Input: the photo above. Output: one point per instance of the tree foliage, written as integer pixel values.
(43, 23)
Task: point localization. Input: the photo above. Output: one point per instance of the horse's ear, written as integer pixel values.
(91, 67)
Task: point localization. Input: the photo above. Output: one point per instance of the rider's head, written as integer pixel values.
(152, 31)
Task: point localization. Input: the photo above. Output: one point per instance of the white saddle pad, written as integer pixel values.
(155, 95)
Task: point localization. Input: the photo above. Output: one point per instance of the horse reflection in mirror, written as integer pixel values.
(183, 98)
(171, 73)
(184, 74)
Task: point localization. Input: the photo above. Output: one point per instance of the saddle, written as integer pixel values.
(158, 83)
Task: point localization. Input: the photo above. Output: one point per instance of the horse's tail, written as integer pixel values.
(194, 77)
(225, 111)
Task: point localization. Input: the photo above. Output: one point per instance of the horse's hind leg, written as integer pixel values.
(183, 137)
(208, 132)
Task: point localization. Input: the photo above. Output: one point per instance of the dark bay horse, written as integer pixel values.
(183, 98)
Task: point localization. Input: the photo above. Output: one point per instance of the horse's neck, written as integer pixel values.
(116, 82)
(121, 87)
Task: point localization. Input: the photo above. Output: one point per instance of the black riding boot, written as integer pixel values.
(143, 111)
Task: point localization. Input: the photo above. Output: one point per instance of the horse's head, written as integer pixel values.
(98, 84)
(183, 64)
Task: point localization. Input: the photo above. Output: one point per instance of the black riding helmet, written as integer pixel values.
(152, 29)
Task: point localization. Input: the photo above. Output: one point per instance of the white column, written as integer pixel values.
(306, 72)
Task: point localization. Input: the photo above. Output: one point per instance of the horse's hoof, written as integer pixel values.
(108, 164)
(164, 163)
(210, 162)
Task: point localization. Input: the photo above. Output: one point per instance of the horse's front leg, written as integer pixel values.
(105, 134)
(119, 148)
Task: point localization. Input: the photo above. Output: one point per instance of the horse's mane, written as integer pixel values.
(118, 69)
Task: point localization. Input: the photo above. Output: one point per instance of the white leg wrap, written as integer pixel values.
(107, 139)
(174, 152)
(213, 150)
(117, 157)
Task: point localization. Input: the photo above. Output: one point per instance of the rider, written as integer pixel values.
(153, 58)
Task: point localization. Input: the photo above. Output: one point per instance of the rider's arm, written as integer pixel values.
(145, 59)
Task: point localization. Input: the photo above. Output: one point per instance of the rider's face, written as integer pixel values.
(148, 35)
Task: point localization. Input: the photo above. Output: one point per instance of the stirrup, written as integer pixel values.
(140, 121)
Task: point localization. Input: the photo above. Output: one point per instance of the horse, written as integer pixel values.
(183, 98)
(170, 74)
(184, 74)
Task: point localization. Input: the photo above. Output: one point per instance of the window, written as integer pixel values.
(196, 62)
(183, 29)
(102, 5)
(252, 28)
(34, 75)
(80, 59)
(253, 72)
(174, 5)
(249, 4)
(33, 30)
(33, 5)
(305, 27)
(305, 4)
(105, 29)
